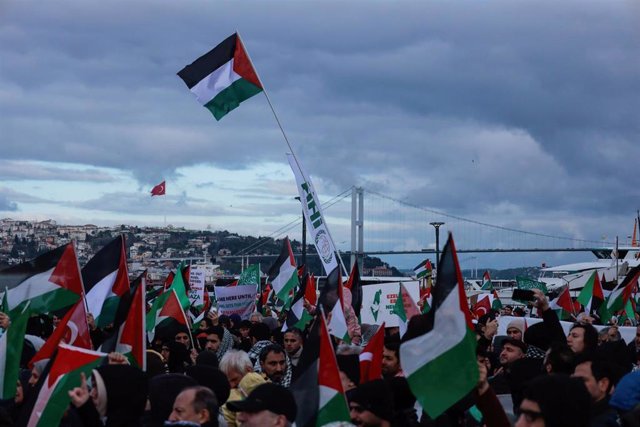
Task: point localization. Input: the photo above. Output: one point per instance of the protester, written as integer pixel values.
(213, 379)
(371, 405)
(235, 364)
(626, 399)
(391, 366)
(599, 378)
(260, 338)
(275, 365)
(214, 336)
(197, 405)
(267, 405)
(515, 329)
(554, 401)
(248, 383)
(512, 351)
(118, 394)
(293, 344)
(163, 390)
(583, 338)
(559, 359)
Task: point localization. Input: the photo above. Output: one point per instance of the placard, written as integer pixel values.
(378, 301)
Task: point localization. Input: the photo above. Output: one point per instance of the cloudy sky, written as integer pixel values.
(519, 114)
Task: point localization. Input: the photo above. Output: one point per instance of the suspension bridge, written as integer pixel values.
(365, 222)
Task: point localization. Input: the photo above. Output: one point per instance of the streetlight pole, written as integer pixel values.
(437, 225)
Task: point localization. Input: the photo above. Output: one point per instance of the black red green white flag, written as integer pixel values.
(106, 281)
(53, 396)
(439, 360)
(223, 77)
(50, 282)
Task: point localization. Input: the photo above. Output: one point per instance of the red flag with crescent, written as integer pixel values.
(158, 190)
(482, 307)
(72, 329)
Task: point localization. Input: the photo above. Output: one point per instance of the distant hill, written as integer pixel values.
(506, 274)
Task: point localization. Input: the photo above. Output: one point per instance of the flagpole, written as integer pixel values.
(266, 94)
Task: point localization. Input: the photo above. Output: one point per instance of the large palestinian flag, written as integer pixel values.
(53, 394)
(440, 360)
(50, 282)
(106, 280)
(223, 77)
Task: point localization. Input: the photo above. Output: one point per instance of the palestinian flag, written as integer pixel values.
(440, 360)
(53, 395)
(592, 296)
(263, 298)
(283, 274)
(304, 385)
(332, 405)
(371, 357)
(563, 302)
(106, 280)
(496, 304)
(165, 314)
(618, 298)
(11, 344)
(354, 284)
(51, 281)
(405, 308)
(180, 285)
(426, 301)
(250, 276)
(421, 270)
(332, 302)
(223, 77)
(486, 282)
(72, 330)
(131, 340)
(298, 316)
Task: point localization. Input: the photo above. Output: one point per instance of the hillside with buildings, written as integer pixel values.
(158, 249)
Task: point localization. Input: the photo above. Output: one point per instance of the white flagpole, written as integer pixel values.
(293, 154)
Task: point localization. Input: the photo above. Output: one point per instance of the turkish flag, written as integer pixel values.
(158, 190)
(482, 307)
(371, 357)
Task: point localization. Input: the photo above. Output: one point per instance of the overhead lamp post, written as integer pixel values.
(437, 225)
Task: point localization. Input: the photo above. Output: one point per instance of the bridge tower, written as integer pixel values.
(357, 226)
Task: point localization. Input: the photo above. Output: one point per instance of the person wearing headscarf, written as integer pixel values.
(163, 391)
(117, 398)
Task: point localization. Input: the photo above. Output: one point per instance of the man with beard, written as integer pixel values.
(273, 363)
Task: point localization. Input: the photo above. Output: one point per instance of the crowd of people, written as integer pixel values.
(234, 372)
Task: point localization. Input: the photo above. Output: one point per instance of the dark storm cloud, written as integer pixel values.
(16, 170)
(460, 107)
